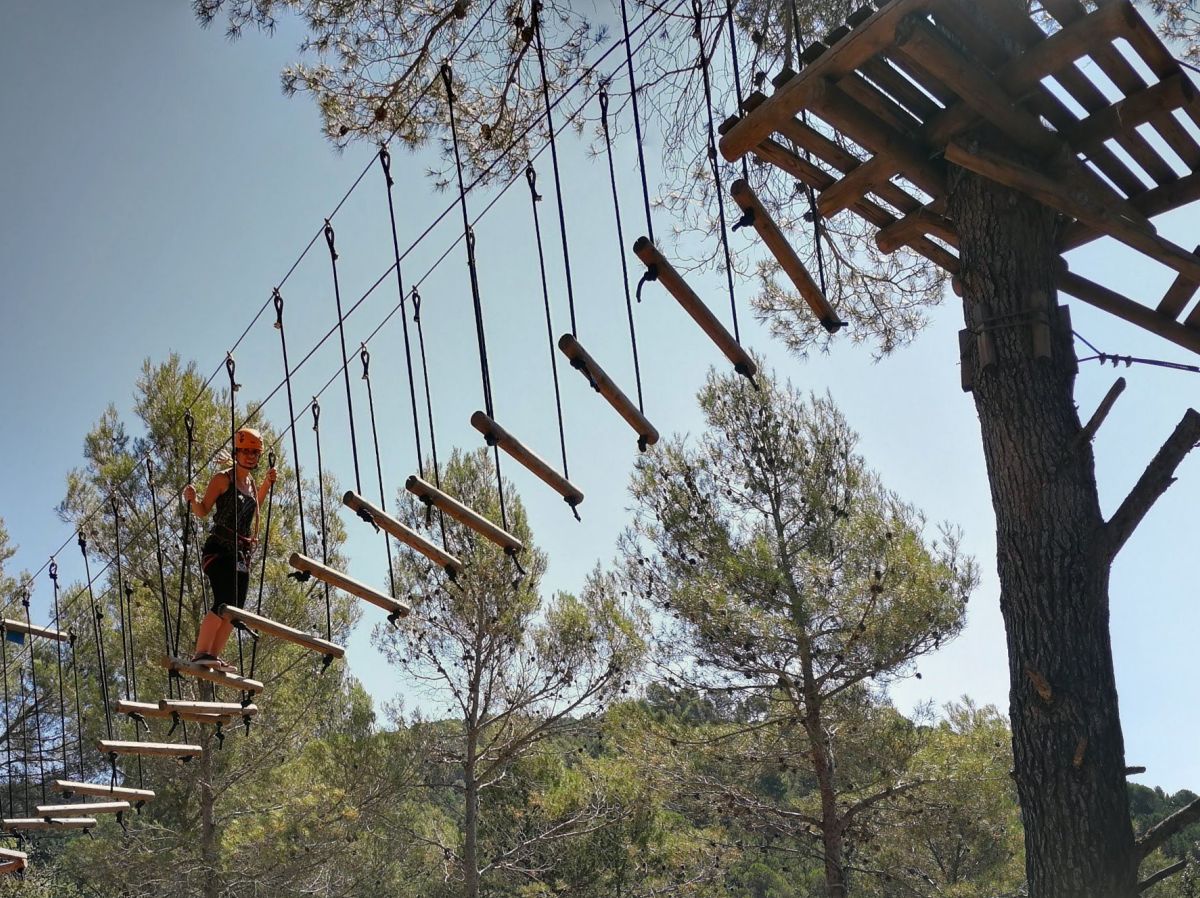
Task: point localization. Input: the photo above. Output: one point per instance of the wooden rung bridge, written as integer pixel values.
(910, 82)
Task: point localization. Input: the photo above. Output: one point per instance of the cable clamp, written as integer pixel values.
(531, 177)
(385, 159)
(329, 241)
(277, 298)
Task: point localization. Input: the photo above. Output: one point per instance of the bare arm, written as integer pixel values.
(201, 507)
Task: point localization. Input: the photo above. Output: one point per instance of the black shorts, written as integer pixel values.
(229, 585)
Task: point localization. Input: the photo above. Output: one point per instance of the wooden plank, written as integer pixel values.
(451, 565)
(346, 583)
(84, 809)
(495, 435)
(860, 45)
(466, 516)
(781, 248)
(17, 824)
(220, 709)
(149, 749)
(203, 672)
(152, 710)
(900, 88)
(879, 104)
(674, 283)
(15, 866)
(856, 184)
(581, 361)
(262, 624)
(11, 854)
(71, 787)
(16, 626)
(1115, 304)
(1173, 93)
(1150, 203)
(922, 221)
(1178, 295)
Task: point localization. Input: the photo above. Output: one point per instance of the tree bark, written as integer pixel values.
(1054, 571)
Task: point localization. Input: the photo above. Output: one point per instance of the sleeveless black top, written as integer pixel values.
(232, 508)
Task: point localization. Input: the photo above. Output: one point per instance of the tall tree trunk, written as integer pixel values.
(1067, 744)
(471, 820)
(208, 820)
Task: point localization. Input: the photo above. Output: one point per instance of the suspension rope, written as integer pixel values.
(385, 160)
(78, 705)
(337, 293)
(365, 357)
(316, 416)
(813, 215)
(97, 616)
(8, 735)
(612, 177)
(62, 701)
(189, 424)
(160, 555)
(231, 367)
(287, 379)
(637, 122)
(1128, 360)
(37, 703)
(534, 199)
(262, 573)
(116, 510)
(714, 164)
(437, 477)
(737, 77)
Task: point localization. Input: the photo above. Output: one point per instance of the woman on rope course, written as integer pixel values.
(225, 556)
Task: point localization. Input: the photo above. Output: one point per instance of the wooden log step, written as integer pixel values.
(150, 749)
(11, 854)
(495, 435)
(18, 626)
(82, 810)
(326, 574)
(280, 631)
(218, 709)
(203, 672)
(429, 493)
(694, 306)
(13, 866)
(356, 503)
(602, 384)
(779, 246)
(13, 824)
(146, 709)
(70, 787)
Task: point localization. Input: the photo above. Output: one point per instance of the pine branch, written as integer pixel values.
(1156, 835)
(1162, 874)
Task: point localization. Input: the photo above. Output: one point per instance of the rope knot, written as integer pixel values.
(277, 298)
(54, 571)
(416, 298)
(650, 275)
(316, 413)
(448, 81)
(385, 159)
(329, 240)
(365, 357)
(231, 367)
(531, 177)
(746, 220)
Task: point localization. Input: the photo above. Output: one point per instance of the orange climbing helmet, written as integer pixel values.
(247, 438)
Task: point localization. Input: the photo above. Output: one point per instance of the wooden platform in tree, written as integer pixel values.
(908, 84)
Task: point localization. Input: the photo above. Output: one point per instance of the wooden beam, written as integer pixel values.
(1115, 304)
(71, 787)
(857, 183)
(430, 494)
(345, 583)
(262, 624)
(1087, 209)
(447, 562)
(220, 709)
(15, 866)
(83, 810)
(495, 435)
(203, 672)
(856, 48)
(582, 362)
(1173, 93)
(781, 248)
(665, 273)
(922, 221)
(1178, 295)
(11, 854)
(16, 626)
(149, 749)
(15, 824)
(1150, 203)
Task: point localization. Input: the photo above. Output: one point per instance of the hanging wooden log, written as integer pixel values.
(148, 749)
(326, 574)
(14, 824)
(356, 503)
(430, 494)
(14, 866)
(17, 626)
(203, 672)
(1123, 307)
(82, 810)
(11, 854)
(660, 269)
(781, 248)
(103, 790)
(602, 384)
(262, 624)
(219, 709)
(495, 435)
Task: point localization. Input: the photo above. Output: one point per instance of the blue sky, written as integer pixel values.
(156, 184)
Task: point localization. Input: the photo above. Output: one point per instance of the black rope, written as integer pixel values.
(637, 122)
(120, 593)
(714, 164)
(813, 215)
(62, 699)
(612, 177)
(37, 704)
(737, 77)
(558, 192)
(437, 477)
(287, 379)
(8, 735)
(78, 705)
(189, 424)
(316, 415)
(262, 573)
(365, 357)
(534, 199)
(231, 367)
(97, 616)
(385, 160)
(337, 293)
(162, 580)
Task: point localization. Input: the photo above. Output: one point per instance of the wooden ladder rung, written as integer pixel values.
(281, 631)
(17, 626)
(356, 503)
(217, 709)
(495, 435)
(150, 749)
(70, 787)
(779, 246)
(662, 271)
(326, 574)
(12, 824)
(582, 362)
(204, 672)
(430, 494)
(82, 810)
